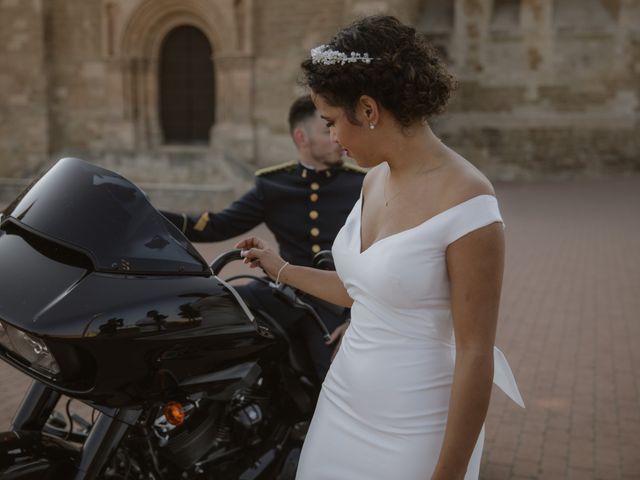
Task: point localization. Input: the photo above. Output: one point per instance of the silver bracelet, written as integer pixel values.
(279, 272)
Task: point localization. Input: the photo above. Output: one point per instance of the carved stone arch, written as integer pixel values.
(157, 17)
(142, 38)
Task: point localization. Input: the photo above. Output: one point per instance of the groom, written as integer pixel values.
(304, 203)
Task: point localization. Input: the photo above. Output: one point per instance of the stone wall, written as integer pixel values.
(285, 32)
(546, 87)
(24, 109)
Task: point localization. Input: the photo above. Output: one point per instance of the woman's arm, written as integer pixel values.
(322, 284)
(475, 264)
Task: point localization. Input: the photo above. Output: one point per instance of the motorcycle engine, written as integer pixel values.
(214, 426)
(191, 441)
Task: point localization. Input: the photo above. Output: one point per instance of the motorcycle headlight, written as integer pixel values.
(30, 348)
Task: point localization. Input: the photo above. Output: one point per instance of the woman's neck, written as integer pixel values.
(414, 152)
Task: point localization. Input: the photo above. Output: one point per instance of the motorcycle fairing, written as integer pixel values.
(135, 328)
(31, 280)
(118, 336)
(106, 217)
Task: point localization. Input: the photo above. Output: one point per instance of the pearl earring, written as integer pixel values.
(371, 126)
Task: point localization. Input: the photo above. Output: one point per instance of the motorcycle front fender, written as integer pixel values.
(26, 455)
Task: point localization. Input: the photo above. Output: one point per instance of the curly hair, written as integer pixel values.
(405, 75)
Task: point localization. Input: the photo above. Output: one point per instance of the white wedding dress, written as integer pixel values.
(383, 407)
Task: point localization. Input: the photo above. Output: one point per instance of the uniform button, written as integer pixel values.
(315, 248)
(315, 232)
(313, 214)
(314, 197)
(315, 186)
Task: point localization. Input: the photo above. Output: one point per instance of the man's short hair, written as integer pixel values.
(301, 109)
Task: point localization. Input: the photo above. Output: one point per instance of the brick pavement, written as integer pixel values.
(569, 324)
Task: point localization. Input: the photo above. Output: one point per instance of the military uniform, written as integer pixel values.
(304, 209)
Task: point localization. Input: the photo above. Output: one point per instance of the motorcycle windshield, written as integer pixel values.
(106, 217)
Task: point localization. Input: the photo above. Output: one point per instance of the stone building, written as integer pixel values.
(188, 97)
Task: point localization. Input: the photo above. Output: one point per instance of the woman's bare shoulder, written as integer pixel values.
(462, 182)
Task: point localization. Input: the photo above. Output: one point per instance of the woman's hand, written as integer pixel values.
(323, 284)
(257, 253)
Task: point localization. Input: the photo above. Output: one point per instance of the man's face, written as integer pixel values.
(323, 152)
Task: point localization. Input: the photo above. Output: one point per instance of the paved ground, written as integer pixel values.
(570, 326)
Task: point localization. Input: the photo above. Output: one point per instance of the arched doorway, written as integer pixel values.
(187, 87)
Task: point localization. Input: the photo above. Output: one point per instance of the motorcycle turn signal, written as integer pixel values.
(174, 413)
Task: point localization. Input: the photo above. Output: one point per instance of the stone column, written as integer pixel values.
(470, 31)
(233, 131)
(24, 88)
(537, 28)
(140, 89)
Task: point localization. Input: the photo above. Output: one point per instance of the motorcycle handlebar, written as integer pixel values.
(223, 259)
(322, 260)
(290, 296)
(283, 291)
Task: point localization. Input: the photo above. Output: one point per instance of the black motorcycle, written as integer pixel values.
(104, 301)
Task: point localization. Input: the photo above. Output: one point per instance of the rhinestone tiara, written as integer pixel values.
(327, 56)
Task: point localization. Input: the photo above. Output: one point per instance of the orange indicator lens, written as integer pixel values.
(174, 413)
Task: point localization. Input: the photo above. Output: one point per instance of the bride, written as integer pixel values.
(419, 261)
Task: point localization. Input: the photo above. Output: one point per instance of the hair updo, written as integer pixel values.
(405, 74)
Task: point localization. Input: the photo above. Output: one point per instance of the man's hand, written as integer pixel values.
(336, 336)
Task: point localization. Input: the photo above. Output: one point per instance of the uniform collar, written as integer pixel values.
(311, 173)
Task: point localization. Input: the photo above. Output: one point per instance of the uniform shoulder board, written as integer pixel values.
(276, 168)
(353, 168)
